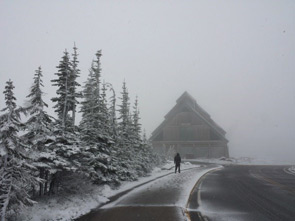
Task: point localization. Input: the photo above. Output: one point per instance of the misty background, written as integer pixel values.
(236, 58)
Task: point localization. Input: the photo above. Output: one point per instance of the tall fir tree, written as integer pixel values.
(90, 123)
(124, 123)
(125, 150)
(136, 126)
(94, 125)
(39, 122)
(94, 106)
(74, 94)
(87, 104)
(112, 113)
(39, 131)
(105, 114)
(96, 67)
(63, 102)
(14, 171)
(65, 148)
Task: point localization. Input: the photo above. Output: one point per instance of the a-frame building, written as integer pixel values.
(189, 130)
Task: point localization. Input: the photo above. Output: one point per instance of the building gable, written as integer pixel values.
(188, 121)
(189, 130)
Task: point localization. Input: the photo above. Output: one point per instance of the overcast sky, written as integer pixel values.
(236, 58)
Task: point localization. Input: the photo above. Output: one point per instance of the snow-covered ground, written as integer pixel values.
(247, 161)
(290, 170)
(72, 206)
(242, 161)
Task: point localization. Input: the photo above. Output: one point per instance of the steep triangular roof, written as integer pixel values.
(186, 100)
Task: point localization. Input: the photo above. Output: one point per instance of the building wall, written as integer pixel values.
(186, 126)
(192, 150)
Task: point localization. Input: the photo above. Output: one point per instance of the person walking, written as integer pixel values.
(177, 161)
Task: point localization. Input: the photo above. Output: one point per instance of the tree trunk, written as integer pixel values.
(52, 184)
(41, 190)
(74, 116)
(46, 183)
(65, 110)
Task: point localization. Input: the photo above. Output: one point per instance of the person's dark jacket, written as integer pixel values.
(177, 159)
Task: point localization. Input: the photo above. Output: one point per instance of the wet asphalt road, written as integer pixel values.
(246, 193)
(163, 199)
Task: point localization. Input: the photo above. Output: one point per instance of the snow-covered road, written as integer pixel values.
(172, 190)
(162, 199)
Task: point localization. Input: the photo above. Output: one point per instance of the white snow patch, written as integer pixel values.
(62, 208)
(2, 150)
(240, 161)
(290, 170)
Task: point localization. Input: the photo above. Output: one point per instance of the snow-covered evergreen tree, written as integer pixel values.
(39, 131)
(105, 114)
(90, 124)
(63, 100)
(15, 178)
(96, 68)
(136, 126)
(125, 150)
(94, 126)
(124, 123)
(87, 104)
(39, 122)
(95, 116)
(67, 92)
(65, 149)
(112, 113)
(73, 84)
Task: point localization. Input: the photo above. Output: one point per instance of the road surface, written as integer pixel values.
(245, 193)
(163, 199)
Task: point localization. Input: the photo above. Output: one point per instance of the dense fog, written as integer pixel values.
(236, 58)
